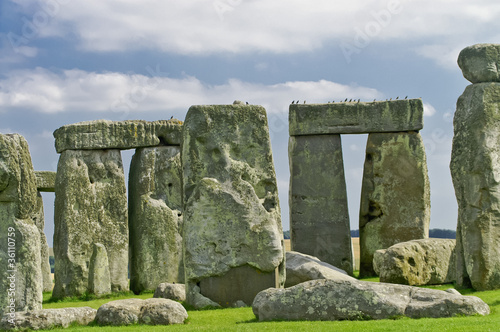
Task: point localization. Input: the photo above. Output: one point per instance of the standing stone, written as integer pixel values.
(232, 233)
(39, 220)
(395, 195)
(99, 277)
(20, 264)
(90, 207)
(475, 171)
(319, 217)
(155, 218)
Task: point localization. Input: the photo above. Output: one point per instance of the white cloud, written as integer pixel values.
(429, 110)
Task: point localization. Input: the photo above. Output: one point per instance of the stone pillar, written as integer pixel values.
(475, 169)
(319, 217)
(20, 264)
(155, 218)
(395, 195)
(99, 275)
(90, 207)
(232, 234)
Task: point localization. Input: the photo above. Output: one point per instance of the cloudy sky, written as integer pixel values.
(64, 61)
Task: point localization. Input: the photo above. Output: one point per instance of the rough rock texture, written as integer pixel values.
(39, 220)
(417, 262)
(475, 171)
(176, 292)
(20, 263)
(319, 217)
(155, 218)
(480, 63)
(301, 267)
(49, 318)
(99, 276)
(45, 181)
(150, 312)
(361, 300)
(356, 118)
(231, 216)
(105, 134)
(90, 207)
(395, 195)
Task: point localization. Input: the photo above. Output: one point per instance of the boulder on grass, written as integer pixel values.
(48, 318)
(176, 292)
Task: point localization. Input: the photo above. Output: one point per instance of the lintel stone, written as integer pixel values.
(45, 181)
(356, 117)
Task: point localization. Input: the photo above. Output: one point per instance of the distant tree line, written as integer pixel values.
(435, 233)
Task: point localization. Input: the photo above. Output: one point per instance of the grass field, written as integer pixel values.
(243, 319)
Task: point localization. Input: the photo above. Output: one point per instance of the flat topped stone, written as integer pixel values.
(356, 117)
(45, 181)
(480, 63)
(106, 134)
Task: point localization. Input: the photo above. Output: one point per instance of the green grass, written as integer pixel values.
(243, 319)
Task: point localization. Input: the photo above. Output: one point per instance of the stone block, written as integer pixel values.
(46, 319)
(45, 181)
(99, 276)
(480, 63)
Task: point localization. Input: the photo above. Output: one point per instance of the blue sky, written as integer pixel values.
(64, 61)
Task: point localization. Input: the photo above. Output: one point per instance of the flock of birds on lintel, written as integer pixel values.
(347, 100)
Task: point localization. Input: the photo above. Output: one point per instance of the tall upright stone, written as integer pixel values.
(319, 217)
(232, 233)
(475, 169)
(39, 219)
(20, 264)
(99, 276)
(155, 218)
(90, 207)
(395, 195)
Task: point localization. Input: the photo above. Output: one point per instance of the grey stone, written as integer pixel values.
(176, 292)
(155, 218)
(231, 206)
(239, 304)
(129, 134)
(417, 262)
(475, 171)
(361, 300)
(319, 217)
(301, 267)
(133, 311)
(199, 301)
(45, 181)
(49, 319)
(39, 220)
(90, 207)
(99, 276)
(480, 63)
(356, 118)
(395, 194)
(20, 263)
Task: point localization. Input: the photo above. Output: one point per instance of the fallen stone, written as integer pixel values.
(480, 63)
(301, 267)
(417, 262)
(232, 233)
(474, 168)
(361, 300)
(176, 292)
(155, 218)
(99, 276)
(129, 134)
(319, 217)
(137, 311)
(39, 220)
(49, 319)
(395, 194)
(356, 118)
(90, 207)
(45, 181)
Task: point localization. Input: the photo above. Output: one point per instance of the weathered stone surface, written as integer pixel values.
(475, 171)
(155, 217)
(99, 276)
(231, 215)
(361, 300)
(301, 267)
(356, 118)
(129, 134)
(45, 181)
(20, 263)
(90, 207)
(49, 318)
(395, 195)
(319, 217)
(176, 292)
(480, 63)
(197, 300)
(417, 262)
(39, 220)
(150, 312)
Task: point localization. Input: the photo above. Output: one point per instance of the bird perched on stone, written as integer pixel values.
(171, 117)
(406, 97)
(304, 101)
(345, 100)
(350, 100)
(397, 97)
(247, 102)
(293, 102)
(359, 100)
